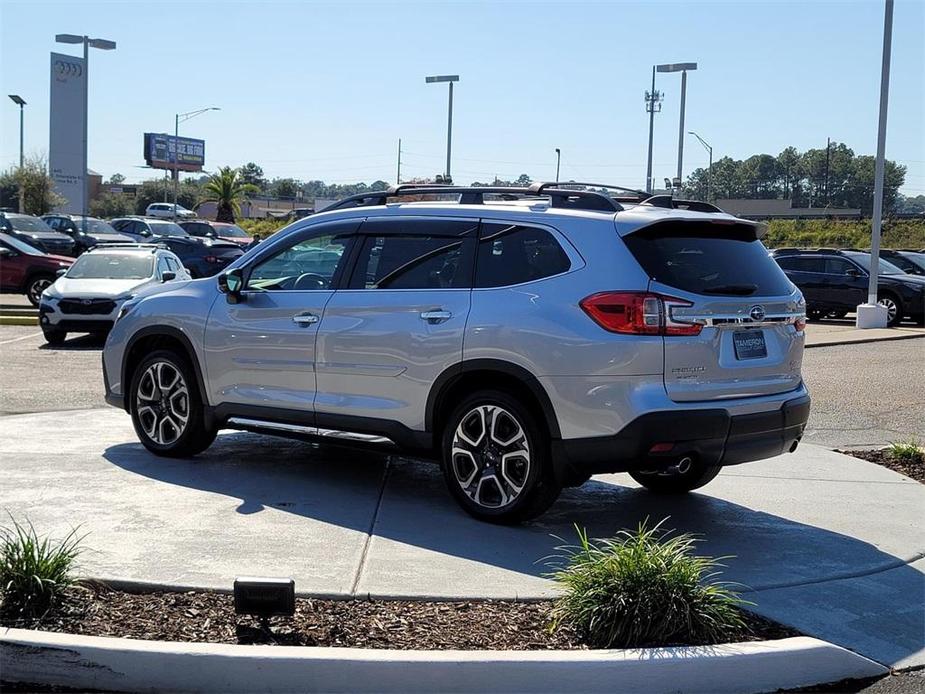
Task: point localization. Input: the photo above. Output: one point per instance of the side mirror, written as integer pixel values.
(167, 276)
(62, 272)
(6, 252)
(144, 232)
(852, 272)
(231, 283)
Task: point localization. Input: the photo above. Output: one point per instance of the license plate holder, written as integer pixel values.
(749, 344)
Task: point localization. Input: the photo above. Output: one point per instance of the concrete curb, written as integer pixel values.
(19, 320)
(90, 662)
(864, 341)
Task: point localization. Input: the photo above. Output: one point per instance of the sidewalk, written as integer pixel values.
(828, 333)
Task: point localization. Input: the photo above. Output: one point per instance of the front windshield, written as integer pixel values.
(20, 246)
(232, 231)
(885, 268)
(166, 229)
(28, 224)
(94, 226)
(115, 266)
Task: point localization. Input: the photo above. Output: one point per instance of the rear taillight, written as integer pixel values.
(638, 313)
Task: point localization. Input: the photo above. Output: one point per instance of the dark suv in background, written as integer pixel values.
(834, 282)
(35, 232)
(87, 232)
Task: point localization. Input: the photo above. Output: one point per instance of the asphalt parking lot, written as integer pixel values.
(864, 395)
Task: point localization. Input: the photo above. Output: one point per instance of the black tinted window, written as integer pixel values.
(413, 262)
(512, 254)
(838, 266)
(707, 259)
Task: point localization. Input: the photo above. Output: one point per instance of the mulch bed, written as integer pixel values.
(397, 624)
(904, 466)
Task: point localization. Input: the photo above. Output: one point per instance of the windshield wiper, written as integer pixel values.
(737, 289)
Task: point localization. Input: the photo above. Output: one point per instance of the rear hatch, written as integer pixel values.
(733, 322)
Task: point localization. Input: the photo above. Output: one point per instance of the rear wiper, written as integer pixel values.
(737, 289)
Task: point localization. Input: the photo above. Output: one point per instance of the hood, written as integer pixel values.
(50, 235)
(917, 280)
(96, 287)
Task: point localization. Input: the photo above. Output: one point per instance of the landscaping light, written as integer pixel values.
(264, 597)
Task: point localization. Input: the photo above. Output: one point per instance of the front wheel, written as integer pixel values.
(35, 286)
(496, 459)
(54, 337)
(894, 309)
(682, 477)
(166, 407)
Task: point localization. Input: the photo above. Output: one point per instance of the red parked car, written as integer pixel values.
(25, 269)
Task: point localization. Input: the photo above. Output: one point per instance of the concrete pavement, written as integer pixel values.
(829, 544)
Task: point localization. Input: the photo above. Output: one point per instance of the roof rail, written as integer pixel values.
(132, 246)
(475, 195)
(677, 204)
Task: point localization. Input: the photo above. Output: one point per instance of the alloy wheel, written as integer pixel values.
(162, 403)
(890, 306)
(491, 456)
(36, 289)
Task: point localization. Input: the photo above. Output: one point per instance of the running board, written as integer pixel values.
(299, 430)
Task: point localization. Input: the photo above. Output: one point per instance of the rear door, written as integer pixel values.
(384, 339)
(720, 277)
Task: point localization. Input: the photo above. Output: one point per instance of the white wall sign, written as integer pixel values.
(65, 140)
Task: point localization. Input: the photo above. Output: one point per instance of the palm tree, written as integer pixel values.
(227, 189)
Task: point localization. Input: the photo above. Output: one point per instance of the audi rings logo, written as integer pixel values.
(65, 68)
(756, 313)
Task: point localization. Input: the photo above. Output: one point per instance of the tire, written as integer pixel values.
(676, 481)
(814, 314)
(484, 429)
(158, 417)
(836, 314)
(893, 306)
(35, 285)
(54, 337)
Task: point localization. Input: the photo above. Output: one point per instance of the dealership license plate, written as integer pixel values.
(749, 344)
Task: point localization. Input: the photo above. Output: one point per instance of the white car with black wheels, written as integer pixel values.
(87, 297)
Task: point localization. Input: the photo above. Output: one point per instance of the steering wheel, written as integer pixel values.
(310, 280)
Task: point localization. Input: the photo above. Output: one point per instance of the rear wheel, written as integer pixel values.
(496, 459)
(894, 309)
(683, 477)
(166, 406)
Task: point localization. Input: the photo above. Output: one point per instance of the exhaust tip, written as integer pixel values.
(684, 464)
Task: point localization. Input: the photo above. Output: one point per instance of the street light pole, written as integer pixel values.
(88, 43)
(653, 104)
(558, 161)
(682, 68)
(182, 117)
(22, 199)
(449, 127)
(710, 169)
(872, 315)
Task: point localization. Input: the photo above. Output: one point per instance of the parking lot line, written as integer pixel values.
(17, 339)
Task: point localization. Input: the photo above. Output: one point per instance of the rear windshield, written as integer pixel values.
(167, 229)
(118, 266)
(707, 259)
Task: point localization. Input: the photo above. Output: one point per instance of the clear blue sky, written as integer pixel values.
(324, 91)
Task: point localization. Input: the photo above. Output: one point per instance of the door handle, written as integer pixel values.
(437, 316)
(304, 319)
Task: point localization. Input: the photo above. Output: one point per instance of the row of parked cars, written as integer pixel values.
(114, 260)
(835, 281)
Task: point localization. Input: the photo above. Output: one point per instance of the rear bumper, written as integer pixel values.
(710, 435)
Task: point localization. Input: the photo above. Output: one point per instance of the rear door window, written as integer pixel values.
(513, 254)
(708, 259)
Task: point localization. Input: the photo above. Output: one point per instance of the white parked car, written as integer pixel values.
(87, 297)
(165, 211)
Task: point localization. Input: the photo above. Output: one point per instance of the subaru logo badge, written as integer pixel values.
(86, 302)
(756, 313)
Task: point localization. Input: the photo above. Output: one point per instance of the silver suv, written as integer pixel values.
(528, 337)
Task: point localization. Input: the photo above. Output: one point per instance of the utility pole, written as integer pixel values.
(19, 101)
(828, 150)
(653, 104)
(398, 174)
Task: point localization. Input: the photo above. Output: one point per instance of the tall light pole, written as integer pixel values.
(653, 104)
(88, 43)
(710, 169)
(21, 102)
(449, 125)
(182, 118)
(871, 314)
(558, 161)
(682, 68)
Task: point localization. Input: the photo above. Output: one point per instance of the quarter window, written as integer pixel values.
(513, 254)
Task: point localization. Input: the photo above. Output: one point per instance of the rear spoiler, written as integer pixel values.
(693, 225)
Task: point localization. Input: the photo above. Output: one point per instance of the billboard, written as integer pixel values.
(67, 127)
(164, 151)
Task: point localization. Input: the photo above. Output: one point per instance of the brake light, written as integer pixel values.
(638, 313)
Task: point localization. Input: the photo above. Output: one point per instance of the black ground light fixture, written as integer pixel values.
(264, 597)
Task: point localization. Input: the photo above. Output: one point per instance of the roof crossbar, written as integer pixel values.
(676, 204)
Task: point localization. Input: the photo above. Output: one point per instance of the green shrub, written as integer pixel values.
(833, 233)
(33, 570)
(909, 451)
(263, 227)
(644, 588)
